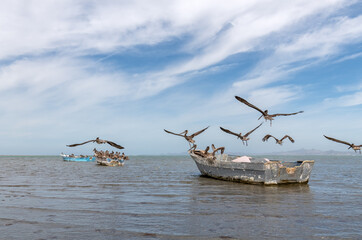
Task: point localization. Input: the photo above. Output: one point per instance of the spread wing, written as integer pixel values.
(285, 114)
(252, 130)
(229, 132)
(197, 133)
(287, 136)
(266, 137)
(249, 104)
(115, 145)
(177, 134)
(77, 144)
(336, 140)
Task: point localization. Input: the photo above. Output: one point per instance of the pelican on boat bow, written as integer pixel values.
(111, 159)
(251, 170)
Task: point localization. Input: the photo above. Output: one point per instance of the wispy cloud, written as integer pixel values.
(307, 49)
(60, 67)
(345, 101)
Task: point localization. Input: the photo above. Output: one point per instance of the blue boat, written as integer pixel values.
(76, 158)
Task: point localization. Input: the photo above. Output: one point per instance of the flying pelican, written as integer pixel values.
(243, 138)
(214, 149)
(277, 141)
(99, 141)
(265, 113)
(351, 145)
(188, 138)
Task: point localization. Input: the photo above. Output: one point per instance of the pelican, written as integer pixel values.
(214, 149)
(277, 141)
(188, 138)
(202, 153)
(351, 145)
(99, 141)
(243, 138)
(265, 113)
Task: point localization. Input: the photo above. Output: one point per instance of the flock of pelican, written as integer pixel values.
(244, 138)
(102, 154)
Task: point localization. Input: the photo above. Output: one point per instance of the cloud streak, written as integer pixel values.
(65, 63)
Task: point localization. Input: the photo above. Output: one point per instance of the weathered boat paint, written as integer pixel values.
(256, 172)
(77, 158)
(110, 162)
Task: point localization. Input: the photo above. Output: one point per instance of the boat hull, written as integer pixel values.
(77, 158)
(268, 173)
(110, 162)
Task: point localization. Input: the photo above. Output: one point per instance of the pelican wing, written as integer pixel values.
(197, 133)
(214, 149)
(249, 104)
(336, 140)
(229, 132)
(114, 145)
(221, 149)
(252, 130)
(285, 114)
(266, 137)
(77, 144)
(287, 136)
(177, 134)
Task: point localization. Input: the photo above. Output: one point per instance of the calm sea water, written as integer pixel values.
(164, 197)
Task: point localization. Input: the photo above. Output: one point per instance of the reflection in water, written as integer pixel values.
(252, 210)
(164, 197)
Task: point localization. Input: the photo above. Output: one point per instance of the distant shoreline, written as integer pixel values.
(300, 152)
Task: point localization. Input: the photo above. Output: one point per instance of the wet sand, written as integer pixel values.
(164, 197)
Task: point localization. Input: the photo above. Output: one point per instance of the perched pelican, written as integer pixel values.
(99, 141)
(243, 138)
(203, 153)
(265, 113)
(188, 138)
(351, 145)
(214, 149)
(277, 141)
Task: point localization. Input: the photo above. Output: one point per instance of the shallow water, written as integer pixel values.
(164, 197)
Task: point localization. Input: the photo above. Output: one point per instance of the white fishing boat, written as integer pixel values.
(252, 170)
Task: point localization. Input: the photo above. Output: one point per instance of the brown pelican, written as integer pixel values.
(351, 145)
(99, 141)
(188, 138)
(265, 113)
(202, 153)
(214, 149)
(277, 141)
(243, 138)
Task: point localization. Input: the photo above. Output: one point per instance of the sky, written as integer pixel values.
(74, 70)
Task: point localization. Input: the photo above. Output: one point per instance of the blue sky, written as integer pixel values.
(125, 70)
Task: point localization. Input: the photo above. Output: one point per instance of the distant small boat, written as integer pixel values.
(110, 162)
(249, 170)
(77, 158)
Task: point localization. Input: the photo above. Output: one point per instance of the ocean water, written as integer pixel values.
(164, 197)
